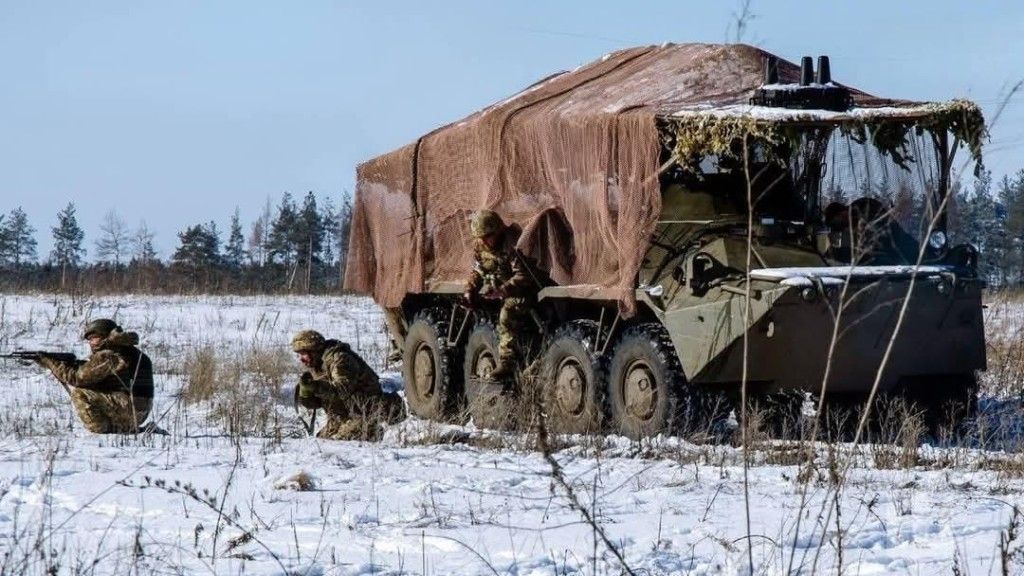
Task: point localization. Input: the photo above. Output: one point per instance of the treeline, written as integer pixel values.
(991, 217)
(301, 247)
(293, 247)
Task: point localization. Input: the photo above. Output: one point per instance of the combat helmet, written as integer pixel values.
(308, 341)
(100, 327)
(485, 223)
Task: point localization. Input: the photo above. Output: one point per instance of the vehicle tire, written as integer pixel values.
(485, 401)
(574, 380)
(481, 352)
(433, 383)
(647, 390)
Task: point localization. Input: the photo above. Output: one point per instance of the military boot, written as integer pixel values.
(502, 372)
(394, 354)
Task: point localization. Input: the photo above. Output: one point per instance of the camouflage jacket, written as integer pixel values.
(503, 267)
(346, 371)
(116, 366)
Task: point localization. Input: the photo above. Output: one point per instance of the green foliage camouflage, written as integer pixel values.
(691, 137)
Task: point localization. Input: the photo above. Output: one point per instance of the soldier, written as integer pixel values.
(880, 238)
(837, 218)
(112, 391)
(502, 273)
(341, 383)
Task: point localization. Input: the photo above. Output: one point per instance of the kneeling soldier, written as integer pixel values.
(112, 391)
(341, 383)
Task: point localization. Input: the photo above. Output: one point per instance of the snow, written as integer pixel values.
(777, 114)
(837, 275)
(797, 87)
(430, 498)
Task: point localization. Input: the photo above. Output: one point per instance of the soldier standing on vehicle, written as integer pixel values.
(112, 391)
(502, 273)
(348, 390)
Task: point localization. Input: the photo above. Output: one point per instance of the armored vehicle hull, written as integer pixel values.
(674, 195)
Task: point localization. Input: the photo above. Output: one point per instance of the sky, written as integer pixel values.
(176, 113)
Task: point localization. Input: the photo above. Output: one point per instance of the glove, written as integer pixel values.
(497, 293)
(305, 392)
(44, 361)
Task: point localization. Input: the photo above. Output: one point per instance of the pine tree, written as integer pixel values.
(197, 249)
(67, 242)
(5, 243)
(17, 240)
(234, 252)
(344, 229)
(309, 238)
(212, 244)
(112, 245)
(329, 220)
(975, 221)
(281, 244)
(1011, 200)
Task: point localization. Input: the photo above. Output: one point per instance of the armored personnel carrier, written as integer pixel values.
(714, 218)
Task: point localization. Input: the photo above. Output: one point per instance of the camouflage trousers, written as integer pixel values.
(360, 417)
(109, 412)
(514, 324)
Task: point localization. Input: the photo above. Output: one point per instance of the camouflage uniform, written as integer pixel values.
(507, 272)
(348, 390)
(112, 391)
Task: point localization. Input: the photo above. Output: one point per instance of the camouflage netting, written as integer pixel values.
(573, 159)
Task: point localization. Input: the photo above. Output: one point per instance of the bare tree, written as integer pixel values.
(259, 237)
(738, 27)
(143, 250)
(113, 242)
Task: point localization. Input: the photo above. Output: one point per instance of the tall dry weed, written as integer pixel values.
(241, 389)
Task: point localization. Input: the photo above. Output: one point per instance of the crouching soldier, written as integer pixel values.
(112, 391)
(348, 390)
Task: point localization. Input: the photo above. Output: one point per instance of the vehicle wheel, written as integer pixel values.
(574, 379)
(488, 407)
(433, 385)
(647, 390)
(481, 352)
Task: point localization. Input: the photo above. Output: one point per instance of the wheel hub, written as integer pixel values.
(640, 391)
(570, 386)
(423, 364)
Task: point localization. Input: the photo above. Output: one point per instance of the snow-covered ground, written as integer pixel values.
(442, 500)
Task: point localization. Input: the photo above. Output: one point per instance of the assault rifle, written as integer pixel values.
(26, 356)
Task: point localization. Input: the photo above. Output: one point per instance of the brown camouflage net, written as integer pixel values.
(573, 159)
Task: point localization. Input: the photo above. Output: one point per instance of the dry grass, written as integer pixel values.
(1005, 343)
(241, 390)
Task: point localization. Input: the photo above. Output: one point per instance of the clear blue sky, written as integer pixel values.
(177, 111)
